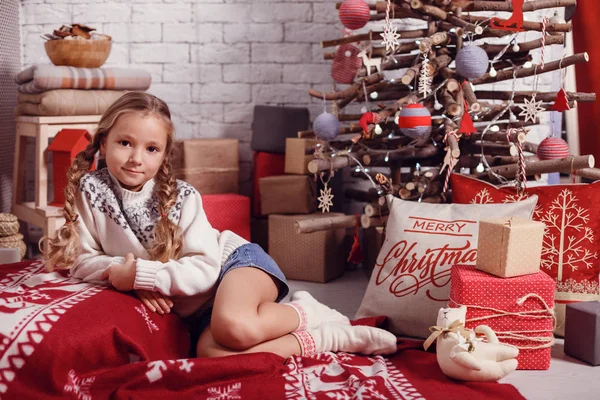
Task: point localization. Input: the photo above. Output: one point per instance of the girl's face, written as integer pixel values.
(134, 149)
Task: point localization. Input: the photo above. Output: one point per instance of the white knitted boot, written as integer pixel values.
(353, 339)
(312, 313)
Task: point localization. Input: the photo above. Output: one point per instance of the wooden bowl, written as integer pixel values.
(82, 53)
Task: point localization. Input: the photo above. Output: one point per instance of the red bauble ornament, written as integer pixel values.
(552, 148)
(354, 14)
(561, 103)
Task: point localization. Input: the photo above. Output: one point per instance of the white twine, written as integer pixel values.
(544, 313)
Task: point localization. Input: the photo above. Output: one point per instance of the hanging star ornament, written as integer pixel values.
(531, 109)
(325, 199)
(390, 37)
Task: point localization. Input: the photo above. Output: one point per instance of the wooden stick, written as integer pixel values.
(373, 209)
(450, 105)
(367, 222)
(530, 147)
(490, 148)
(325, 224)
(470, 97)
(507, 6)
(472, 161)
(348, 92)
(565, 165)
(518, 136)
(523, 72)
(414, 34)
(544, 96)
(524, 46)
(380, 51)
(426, 9)
(333, 163)
(589, 173)
(527, 26)
(410, 74)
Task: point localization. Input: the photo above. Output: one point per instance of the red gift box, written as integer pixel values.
(519, 310)
(265, 164)
(228, 211)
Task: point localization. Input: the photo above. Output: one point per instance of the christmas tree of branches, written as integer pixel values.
(422, 97)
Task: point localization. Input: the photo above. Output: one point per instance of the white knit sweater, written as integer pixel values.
(114, 221)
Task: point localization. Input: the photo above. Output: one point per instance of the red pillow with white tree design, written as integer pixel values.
(571, 249)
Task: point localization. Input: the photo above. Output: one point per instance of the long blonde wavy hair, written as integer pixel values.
(65, 247)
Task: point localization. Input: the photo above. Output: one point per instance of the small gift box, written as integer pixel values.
(288, 194)
(519, 310)
(209, 165)
(582, 331)
(509, 247)
(298, 153)
(317, 256)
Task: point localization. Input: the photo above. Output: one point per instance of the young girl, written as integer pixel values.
(134, 225)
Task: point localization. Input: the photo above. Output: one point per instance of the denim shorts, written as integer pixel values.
(252, 255)
(247, 255)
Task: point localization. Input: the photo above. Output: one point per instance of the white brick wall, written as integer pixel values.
(211, 60)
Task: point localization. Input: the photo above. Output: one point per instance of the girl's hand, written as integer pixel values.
(155, 301)
(121, 276)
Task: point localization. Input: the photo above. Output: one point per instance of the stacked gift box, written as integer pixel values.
(507, 291)
(285, 192)
(211, 166)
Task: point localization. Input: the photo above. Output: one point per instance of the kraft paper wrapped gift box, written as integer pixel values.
(508, 247)
(582, 331)
(317, 256)
(288, 194)
(298, 153)
(519, 310)
(209, 165)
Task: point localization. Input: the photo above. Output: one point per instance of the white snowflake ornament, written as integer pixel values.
(325, 199)
(390, 37)
(531, 109)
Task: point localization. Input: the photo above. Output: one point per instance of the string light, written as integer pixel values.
(378, 129)
(495, 128)
(374, 95)
(387, 157)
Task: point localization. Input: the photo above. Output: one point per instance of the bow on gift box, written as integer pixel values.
(466, 337)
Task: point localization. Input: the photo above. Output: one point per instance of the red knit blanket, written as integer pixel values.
(63, 338)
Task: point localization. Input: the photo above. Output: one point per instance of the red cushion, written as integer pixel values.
(571, 249)
(228, 211)
(265, 164)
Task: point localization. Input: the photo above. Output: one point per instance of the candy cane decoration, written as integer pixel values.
(544, 22)
(449, 159)
(521, 175)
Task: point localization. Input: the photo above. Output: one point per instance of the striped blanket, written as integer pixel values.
(66, 102)
(43, 77)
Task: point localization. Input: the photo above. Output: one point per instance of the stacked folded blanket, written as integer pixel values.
(51, 90)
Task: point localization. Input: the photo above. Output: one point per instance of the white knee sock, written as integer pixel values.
(352, 339)
(312, 314)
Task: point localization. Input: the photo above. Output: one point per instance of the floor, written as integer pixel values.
(567, 377)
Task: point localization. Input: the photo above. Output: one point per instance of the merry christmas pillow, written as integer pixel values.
(571, 248)
(411, 278)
